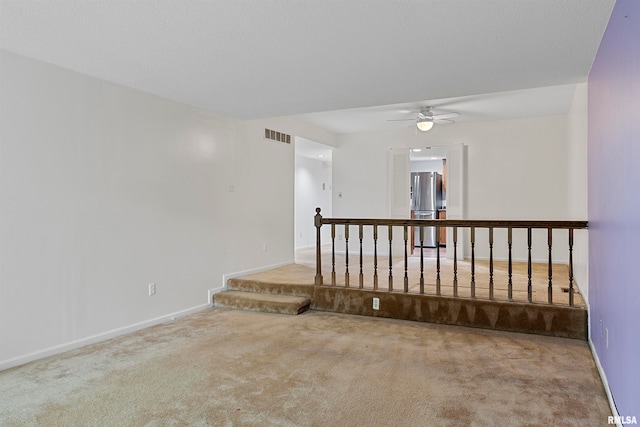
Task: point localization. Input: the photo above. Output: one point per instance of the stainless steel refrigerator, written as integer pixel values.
(426, 199)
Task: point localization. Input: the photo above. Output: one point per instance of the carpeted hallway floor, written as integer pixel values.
(233, 368)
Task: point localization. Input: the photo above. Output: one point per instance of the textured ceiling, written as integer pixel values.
(254, 58)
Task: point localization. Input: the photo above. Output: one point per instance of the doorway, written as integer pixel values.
(428, 198)
(400, 189)
(312, 189)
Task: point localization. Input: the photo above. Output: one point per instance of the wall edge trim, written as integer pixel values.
(605, 383)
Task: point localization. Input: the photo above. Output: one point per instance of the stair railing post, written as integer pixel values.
(318, 223)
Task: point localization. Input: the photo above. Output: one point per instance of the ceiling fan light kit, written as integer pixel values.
(424, 124)
(426, 119)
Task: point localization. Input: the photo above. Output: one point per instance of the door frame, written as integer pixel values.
(457, 167)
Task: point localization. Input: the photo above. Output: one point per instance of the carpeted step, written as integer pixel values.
(269, 303)
(270, 287)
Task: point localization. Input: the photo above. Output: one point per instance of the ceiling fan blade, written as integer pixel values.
(400, 120)
(443, 121)
(446, 115)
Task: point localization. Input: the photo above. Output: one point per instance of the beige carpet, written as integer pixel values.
(231, 368)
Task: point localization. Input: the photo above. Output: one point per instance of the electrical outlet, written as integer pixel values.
(606, 336)
(152, 289)
(376, 303)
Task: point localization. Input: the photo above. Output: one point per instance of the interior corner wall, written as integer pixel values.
(614, 205)
(105, 189)
(516, 170)
(577, 185)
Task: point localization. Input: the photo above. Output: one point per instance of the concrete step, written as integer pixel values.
(269, 303)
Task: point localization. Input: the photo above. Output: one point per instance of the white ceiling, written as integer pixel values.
(253, 58)
(493, 106)
(313, 150)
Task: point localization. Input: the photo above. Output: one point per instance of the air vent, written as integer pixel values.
(277, 136)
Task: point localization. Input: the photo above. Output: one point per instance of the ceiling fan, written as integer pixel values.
(425, 119)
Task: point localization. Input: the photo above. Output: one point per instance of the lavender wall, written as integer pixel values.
(614, 205)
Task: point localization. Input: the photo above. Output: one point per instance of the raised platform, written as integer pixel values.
(558, 321)
(296, 280)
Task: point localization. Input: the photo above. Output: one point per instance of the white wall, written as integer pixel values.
(517, 169)
(312, 190)
(105, 189)
(426, 166)
(577, 184)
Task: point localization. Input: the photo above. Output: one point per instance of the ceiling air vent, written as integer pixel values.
(277, 136)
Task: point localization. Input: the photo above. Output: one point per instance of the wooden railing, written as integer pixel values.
(472, 226)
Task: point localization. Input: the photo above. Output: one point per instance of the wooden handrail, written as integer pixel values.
(389, 223)
(479, 223)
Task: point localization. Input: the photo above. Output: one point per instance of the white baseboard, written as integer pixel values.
(52, 351)
(299, 248)
(603, 377)
(383, 252)
(356, 253)
(518, 259)
(226, 277)
(214, 291)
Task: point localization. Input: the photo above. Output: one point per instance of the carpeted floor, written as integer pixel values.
(232, 368)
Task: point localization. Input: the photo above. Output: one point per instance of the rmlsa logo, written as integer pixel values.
(622, 420)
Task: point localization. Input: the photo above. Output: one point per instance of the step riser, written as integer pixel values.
(245, 285)
(536, 319)
(262, 308)
(282, 304)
